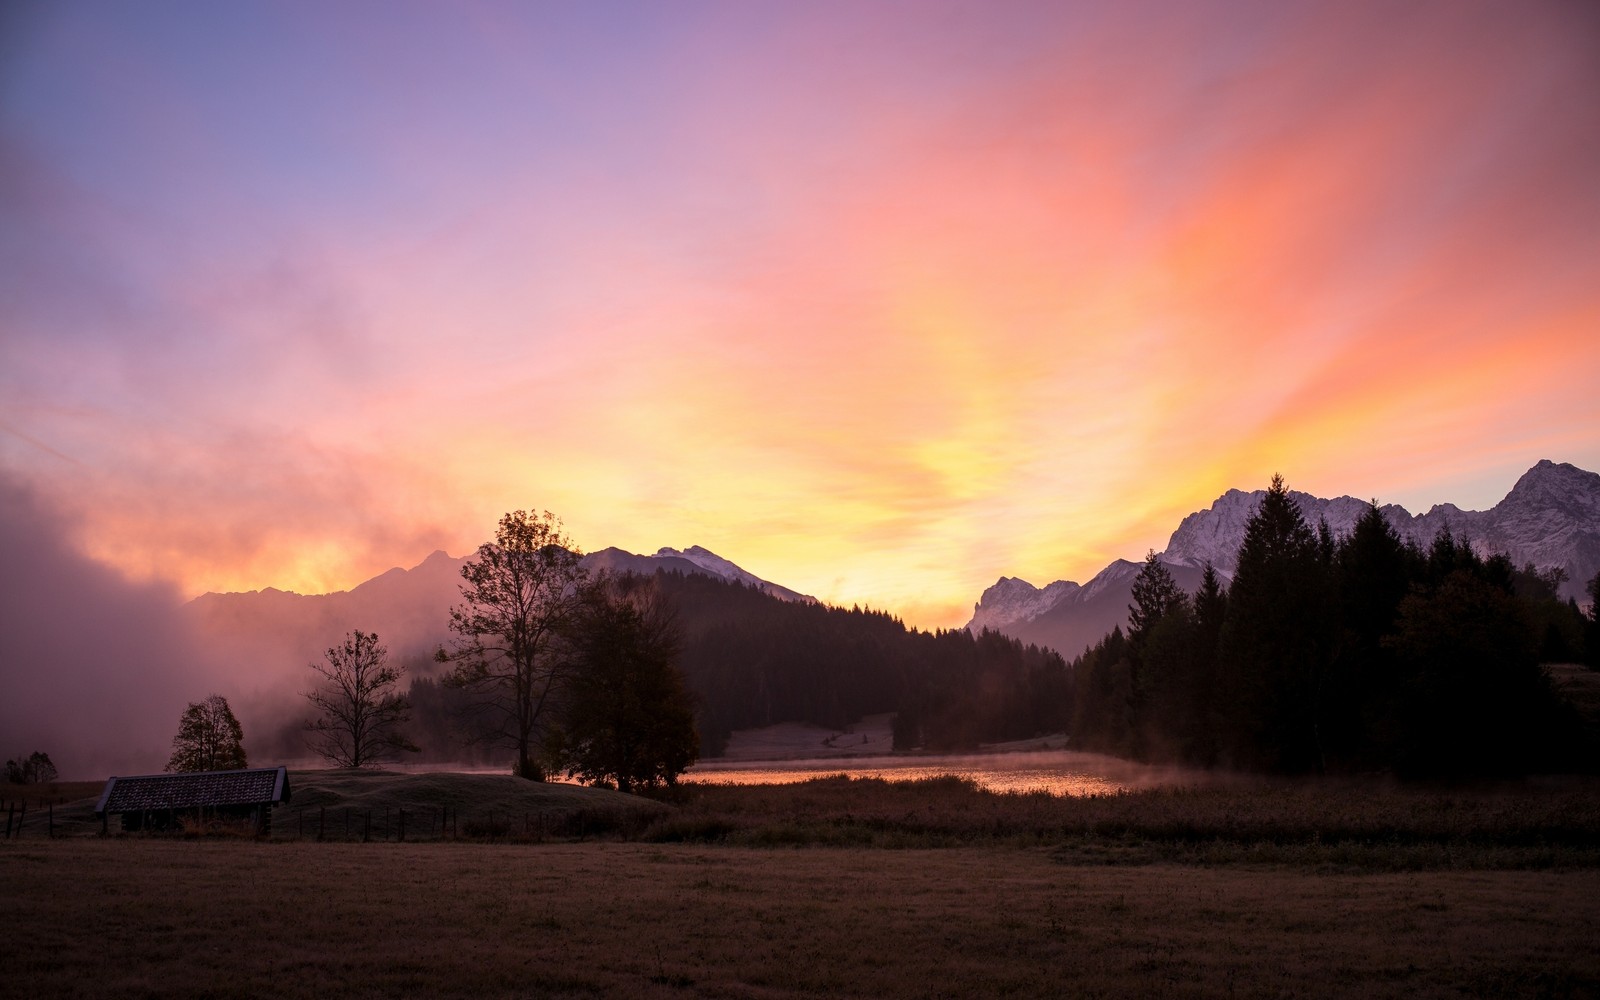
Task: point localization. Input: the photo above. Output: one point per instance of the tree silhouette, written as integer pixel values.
(522, 595)
(625, 716)
(34, 769)
(1274, 639)
(1155, 596)
(1473, 695)
(360, 712)
(1591, 637)
(209, 738)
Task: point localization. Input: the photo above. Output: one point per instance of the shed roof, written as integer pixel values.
(247, 787)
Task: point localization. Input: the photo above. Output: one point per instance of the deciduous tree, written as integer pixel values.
(34, 769)
(522, 595)
(625, 716)
(360, 712)
(209, 738)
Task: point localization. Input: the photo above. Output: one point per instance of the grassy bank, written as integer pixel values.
(1320, 825)
(1328, 824)
(229, 918)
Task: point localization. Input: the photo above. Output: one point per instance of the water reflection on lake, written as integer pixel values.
(1060, 772)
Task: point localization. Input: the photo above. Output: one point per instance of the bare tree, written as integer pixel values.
(361, 713)
(523, 593)
(209, 738)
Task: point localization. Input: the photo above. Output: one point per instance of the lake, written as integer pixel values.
(1059, 772)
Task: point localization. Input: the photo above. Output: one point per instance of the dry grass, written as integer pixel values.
(1331, 825)
(1319, 888)
(141, 917)
(1580, 686)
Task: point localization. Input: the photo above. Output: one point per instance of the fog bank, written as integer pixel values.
(95, 668)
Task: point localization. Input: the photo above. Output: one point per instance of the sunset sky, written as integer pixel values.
(881, 301)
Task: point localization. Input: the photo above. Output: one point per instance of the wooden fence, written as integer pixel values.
(16, 813)
(397, 825)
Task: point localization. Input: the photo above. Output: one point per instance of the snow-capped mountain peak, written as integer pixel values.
(714, 565)
(1012, 600)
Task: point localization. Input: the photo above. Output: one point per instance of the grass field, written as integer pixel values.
(138, 917)
(835, 888)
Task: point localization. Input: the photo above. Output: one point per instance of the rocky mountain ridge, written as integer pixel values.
(1551, 518)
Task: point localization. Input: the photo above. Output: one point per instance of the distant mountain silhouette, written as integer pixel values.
(276, 633)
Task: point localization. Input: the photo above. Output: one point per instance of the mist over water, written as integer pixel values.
(1058, 772)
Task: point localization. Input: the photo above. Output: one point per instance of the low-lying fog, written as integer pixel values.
(1059, 772)
(95, 669)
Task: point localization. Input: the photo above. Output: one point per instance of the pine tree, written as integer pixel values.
(1591, 639)
(1210, 611)
(1275, 641)
(1374, 571)
(1155, 595)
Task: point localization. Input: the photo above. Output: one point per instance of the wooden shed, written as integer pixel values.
(161, 801)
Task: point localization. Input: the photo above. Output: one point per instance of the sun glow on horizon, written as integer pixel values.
(881, 307)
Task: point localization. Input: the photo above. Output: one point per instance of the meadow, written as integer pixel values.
(833, 887)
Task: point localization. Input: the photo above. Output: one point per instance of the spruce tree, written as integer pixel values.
(1155, 595)
(1374, 573)
(1591, 638)
(1210, 611)
(1275, 641)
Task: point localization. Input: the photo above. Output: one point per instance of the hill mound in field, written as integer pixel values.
(494, 803)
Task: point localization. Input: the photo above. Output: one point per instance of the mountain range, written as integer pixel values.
(1551, 518)
(278, 632)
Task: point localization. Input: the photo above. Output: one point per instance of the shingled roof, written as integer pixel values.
(248, 787)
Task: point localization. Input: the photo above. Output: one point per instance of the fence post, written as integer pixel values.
(401, 838)
(321, 817)
(52, 808)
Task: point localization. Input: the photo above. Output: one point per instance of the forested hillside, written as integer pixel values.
(1324, 654)
(751, 660)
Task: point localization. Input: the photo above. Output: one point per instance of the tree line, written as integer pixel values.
(571, 673)
(749, 659)
(1322, 654)
(1326, 654)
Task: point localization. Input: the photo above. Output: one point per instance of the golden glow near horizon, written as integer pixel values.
(879, 307)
